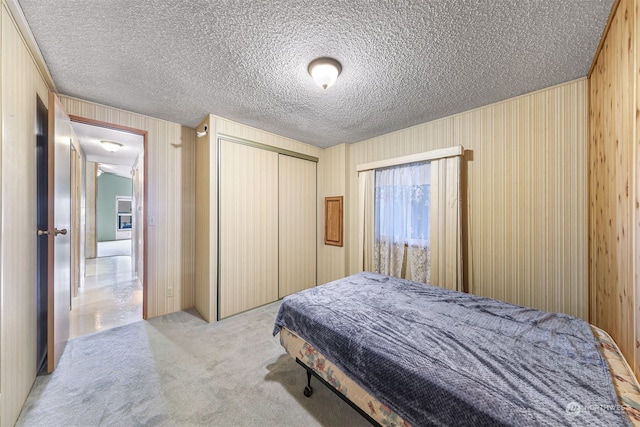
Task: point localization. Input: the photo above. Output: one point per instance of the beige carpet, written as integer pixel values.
(178, 370)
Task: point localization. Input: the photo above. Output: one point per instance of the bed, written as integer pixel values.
(404, 353)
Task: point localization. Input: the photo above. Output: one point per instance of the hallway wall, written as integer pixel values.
(171, 203)
(21, 85)
(110, 186)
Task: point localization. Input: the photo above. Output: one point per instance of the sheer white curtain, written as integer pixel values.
(433, 257)
(402, 221)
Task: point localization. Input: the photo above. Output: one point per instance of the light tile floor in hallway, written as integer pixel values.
(111, 296)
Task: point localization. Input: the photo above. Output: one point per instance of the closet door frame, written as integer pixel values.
(221, 313)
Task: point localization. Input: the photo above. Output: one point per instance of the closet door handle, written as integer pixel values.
(56, 231)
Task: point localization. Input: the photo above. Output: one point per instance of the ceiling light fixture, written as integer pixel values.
(111, 146)
(325, 71)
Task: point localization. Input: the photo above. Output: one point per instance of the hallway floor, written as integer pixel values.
(111, 296)
(114, 247)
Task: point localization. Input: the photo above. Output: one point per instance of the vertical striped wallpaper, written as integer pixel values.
(331, 182)
(171, 198)
(206, 269)
(238, 130)
(248, 228)
(206, 217)
(20, 86)
(524, 191)
(297, 230)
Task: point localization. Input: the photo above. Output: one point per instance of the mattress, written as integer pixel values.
(624, 380)
(441, 357)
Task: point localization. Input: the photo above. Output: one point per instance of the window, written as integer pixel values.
(403, 204)
(402, 230)
(429, 249)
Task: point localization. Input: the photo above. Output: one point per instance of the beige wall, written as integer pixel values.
(171, 151)
(524, 195)
(524, 215)
(614, 177)
(207, 208)
(21, 84)
(171, 203)
(137, 258)
(206, 241)
(91, 181)
(331, 182)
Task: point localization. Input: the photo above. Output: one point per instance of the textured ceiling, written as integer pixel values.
(404, 62)
(120, 162)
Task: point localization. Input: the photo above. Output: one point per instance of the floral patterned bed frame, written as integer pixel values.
(316, 364)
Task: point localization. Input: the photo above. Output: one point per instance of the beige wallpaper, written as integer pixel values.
(90, 210)
(21, 84)
(248, 228)
(331, 182)
(524, 213)
(524, 195)
(297, 227)
(171, 203)
(207, 208)
(206, 239)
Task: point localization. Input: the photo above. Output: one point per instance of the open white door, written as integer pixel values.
(60, 136)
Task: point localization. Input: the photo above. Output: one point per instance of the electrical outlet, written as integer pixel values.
(169, 292)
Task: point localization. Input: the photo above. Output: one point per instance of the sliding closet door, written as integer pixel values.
(297, 240)
(248, 228)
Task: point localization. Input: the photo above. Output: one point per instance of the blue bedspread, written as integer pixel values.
(439, 357)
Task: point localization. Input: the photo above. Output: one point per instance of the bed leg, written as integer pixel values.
(308, 390)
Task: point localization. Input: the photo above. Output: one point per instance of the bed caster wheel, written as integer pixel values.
(308, 391)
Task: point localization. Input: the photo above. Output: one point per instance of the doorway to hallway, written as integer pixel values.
(112, 292)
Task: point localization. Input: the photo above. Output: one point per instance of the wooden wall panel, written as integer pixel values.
(524, 195)
(331, 182)
(635, 191)
(20, 86)
(171, 203)
(614, 174)
(297, 212)
(248, 228)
